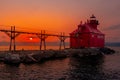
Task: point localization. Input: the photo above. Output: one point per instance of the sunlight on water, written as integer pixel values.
(5, 48)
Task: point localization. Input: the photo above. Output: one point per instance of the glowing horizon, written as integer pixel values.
(61, 15)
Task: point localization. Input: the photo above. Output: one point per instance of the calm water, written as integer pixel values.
(95, 68)
(5, 48)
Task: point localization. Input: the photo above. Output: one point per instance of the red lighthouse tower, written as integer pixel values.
(87, 35)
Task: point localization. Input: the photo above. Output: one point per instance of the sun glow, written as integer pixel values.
(31, 39)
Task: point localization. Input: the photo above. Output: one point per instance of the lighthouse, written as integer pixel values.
(87, 35)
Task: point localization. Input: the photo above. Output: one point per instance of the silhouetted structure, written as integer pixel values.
(13, 33)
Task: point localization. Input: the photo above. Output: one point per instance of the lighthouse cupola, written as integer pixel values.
(93, 20)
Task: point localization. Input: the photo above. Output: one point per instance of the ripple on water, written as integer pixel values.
(90, 68)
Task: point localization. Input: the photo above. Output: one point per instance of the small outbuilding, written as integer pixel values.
(87, 35)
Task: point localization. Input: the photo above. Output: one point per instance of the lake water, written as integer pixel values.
(6, 48)
(95, 68)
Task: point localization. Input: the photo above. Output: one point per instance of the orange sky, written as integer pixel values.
(60, 15)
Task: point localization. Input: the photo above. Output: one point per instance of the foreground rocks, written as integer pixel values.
(12, 58)
(41, 56)
(85, 52)
(106, 50)
(35, 56)
(31, 56)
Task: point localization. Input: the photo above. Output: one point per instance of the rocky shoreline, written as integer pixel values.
(36, 56)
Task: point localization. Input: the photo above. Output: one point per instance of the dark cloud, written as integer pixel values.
(114, 27)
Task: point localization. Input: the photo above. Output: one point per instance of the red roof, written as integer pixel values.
(88, 29)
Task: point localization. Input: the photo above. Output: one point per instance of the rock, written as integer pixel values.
(60, 54)
(2, 55)
(11, 58)
(37, 57)
(34, 56)
(52, 54)
(85, 52)
(106, 50)
(49, 54)
(31, 57)
(28, 58)
(74, 52)
(94, 51)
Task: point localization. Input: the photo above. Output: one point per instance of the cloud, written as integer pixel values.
(114, 27)
(112, 33)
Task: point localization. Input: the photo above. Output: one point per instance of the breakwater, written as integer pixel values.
(37, 56)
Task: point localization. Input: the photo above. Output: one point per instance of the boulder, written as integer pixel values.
(106, 50)
(37, 57)
(60, 54)
(11, 58)
(84, 52)
(28, 58)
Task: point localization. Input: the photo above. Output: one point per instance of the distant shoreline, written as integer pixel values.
(114, 44)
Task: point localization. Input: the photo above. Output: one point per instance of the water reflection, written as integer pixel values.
(88, 68)
(8, 72)
(50, 70)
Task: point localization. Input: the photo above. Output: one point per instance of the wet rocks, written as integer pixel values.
(12, 58)
(28, 59)
(84, 52)
(35, 56)
(106, 50)
(90, 52)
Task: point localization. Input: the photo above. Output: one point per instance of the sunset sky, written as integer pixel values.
(60, 15)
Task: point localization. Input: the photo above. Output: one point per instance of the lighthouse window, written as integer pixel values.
(100, 37)
(92, 35)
